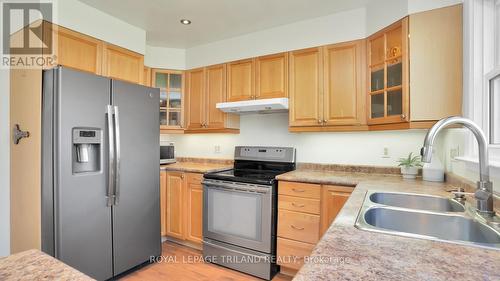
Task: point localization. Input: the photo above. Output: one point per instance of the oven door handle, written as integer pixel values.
(233, 250)
(231, 187)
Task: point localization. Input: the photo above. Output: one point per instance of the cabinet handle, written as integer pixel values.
(298, 190)
(182, 176)
(319, 121)
(403, 116)
(297, 205)
(325, 121)
(296, 228)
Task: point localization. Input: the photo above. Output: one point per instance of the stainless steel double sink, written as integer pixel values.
(426, 217)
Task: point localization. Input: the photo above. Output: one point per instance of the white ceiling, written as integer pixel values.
(214, 20)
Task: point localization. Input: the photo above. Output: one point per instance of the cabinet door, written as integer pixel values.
(146, 77)
(77, 50)
(195, 98)
(344, 72)
(388, 98)
(271, 76)
(120, 63)
(194, 212)
(216, 92)
(163, 202)
(332, 201)
(241, 77)
(306, 86)
(175, 205)
(436, 63)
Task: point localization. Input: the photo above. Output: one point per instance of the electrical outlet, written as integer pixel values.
(217, 149)
(385, 153)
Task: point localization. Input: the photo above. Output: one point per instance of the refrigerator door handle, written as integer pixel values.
(111, 156)
(118, 155)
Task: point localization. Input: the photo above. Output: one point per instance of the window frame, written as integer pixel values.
(477, 58)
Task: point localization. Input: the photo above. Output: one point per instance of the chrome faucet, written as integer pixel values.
(484, 191)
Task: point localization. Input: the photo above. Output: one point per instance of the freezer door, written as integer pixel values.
(82, 221)
(136, 213)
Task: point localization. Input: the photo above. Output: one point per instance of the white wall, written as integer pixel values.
(83, 18)
(361, 148)
(4, 164)
(381, 13)
(166, 58)
(416, 6)
(343, 26)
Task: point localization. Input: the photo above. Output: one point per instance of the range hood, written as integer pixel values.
(255, 106)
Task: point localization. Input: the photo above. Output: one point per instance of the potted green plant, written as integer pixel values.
(409, 166)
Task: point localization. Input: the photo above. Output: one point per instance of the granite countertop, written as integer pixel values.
(35, 265)
(347, 253)
(196, 167)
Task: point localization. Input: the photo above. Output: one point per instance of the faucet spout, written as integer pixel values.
(484, 193)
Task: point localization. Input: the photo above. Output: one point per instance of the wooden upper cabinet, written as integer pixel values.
(120, 63)
(388, 75)
(195, 98)
(77, 50)
(436, 64)
(306, 86)
(271, 76)
(333, 199)
(343, 102)
(175, 205)
(240, 80)
(216, 93)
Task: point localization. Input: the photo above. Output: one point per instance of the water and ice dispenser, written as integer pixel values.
(86, 150)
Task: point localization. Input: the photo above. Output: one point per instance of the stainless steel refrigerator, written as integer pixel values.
(100, 172)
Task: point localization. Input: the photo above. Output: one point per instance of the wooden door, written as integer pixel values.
(240, 80)
(216, 92)
(163, 202)
(175, 205)
(195, 98)
(306, 86)
(333, 199)
(194, 212)
(343, 84)
(271, 76)
(120, 63)
(77, 50)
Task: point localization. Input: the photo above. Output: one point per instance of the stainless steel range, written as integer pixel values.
(240, 210)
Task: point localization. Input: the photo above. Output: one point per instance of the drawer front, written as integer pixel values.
(291, 254)
(299, 204)
(194, 178)
(298, 226)
(305, 190)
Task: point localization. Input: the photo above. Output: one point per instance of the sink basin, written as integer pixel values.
(447, 227)
(416, 201)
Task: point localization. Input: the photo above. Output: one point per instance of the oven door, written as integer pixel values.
(238, 214)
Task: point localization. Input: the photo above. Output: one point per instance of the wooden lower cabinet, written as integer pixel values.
(184, 207)
(305, 211)
(163, 202)
(194, 210)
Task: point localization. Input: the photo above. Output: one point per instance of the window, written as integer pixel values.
(482, 72)
(494, 84)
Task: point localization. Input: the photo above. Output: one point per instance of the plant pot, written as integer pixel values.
(409, 172)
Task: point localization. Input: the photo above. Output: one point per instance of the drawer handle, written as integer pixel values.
(298, 190)
(297, 205)
(295, 227)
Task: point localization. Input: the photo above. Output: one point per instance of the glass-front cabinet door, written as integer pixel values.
(171, 87)
(388, 100)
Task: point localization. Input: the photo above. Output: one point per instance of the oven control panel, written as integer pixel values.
(260, 153)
